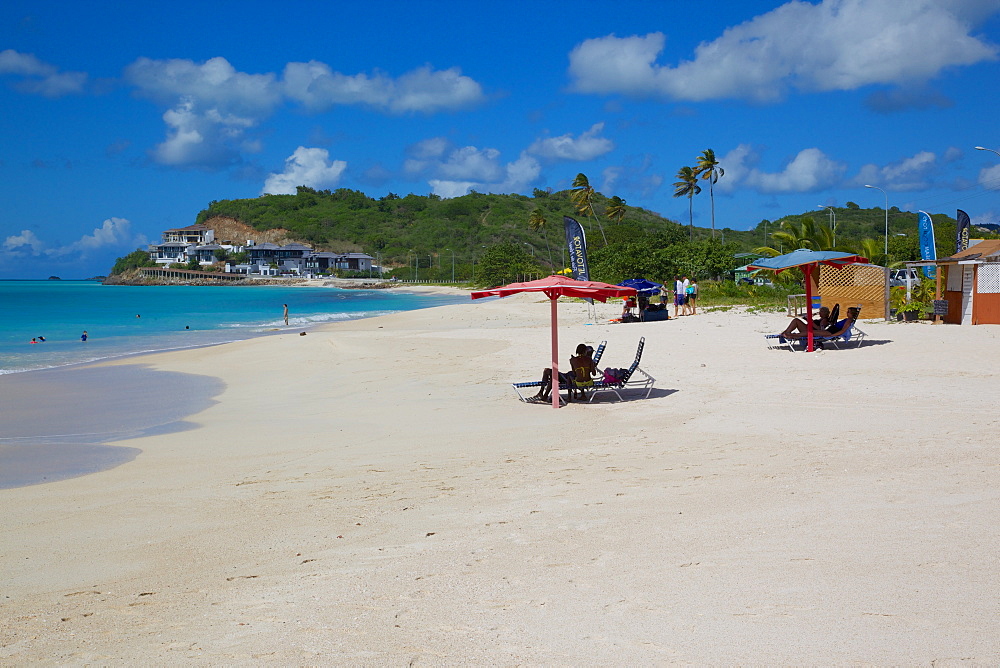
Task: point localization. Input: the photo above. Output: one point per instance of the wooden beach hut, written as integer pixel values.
(969, 281)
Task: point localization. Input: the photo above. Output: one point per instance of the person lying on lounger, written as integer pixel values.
(582, 361)
(799, 327)
(837, 329)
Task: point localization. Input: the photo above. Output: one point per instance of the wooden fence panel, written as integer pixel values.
(854, 284)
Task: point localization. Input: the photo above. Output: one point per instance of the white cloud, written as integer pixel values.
(989, 177)
(907, 174)
(521, 173)
(39, 77)
(517, 175)
(449, 189)
(26, 242)
(212, 106)
(432, 148)
(472, 163)
(833, 45)
(207, 139)
(634, 175)
(587, 146)
(952, 154)
(454, 171)
(810, 170)
(310, 167)
(987, 218)
(318, 88)
(214, 84)
(114, 233)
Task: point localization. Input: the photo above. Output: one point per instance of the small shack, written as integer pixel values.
(971, 283)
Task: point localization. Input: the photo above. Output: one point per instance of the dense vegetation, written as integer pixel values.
(492, 238)
(137, 258)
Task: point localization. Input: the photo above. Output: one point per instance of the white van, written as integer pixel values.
(898, 277)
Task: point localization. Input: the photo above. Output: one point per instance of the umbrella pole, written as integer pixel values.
(555, 352)
(807, 273)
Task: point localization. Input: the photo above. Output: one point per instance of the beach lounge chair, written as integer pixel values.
(853, 334)
(633, 378)
(535, 384)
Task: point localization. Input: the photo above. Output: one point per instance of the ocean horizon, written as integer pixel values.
(122, 320)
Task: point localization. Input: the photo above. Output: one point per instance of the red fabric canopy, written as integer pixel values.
(554, 287)
(560, 286)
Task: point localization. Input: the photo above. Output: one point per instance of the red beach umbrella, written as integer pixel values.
(555, 287)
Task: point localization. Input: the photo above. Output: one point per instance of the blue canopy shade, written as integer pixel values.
(642, 286)
(808, 261)
(803, 257)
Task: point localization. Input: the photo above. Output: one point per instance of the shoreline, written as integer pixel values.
(375, 493)
(174, 339)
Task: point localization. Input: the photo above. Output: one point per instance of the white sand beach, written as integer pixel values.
(374, 494)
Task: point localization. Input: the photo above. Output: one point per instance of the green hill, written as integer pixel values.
(397, 227)
(487, 237)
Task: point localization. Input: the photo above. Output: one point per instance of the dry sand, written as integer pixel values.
(374, 494)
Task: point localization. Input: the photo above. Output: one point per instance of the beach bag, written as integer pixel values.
(613, 376)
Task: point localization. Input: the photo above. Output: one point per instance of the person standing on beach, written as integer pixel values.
(692, 296)
(678, 297)
(83, 337)
(685, 284)
(286, 313)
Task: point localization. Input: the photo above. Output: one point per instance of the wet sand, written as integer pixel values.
(56, 421)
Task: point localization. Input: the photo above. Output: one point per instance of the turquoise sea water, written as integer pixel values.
(171, 317)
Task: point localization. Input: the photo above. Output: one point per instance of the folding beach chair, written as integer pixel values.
(633, 378)
(853, 334)
(536, 384)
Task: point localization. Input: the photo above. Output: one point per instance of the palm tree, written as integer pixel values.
(874, 250)
(709, 170)
(537, 223)
(804, 233)
(687, 186)
(616, 209)
(583, 196)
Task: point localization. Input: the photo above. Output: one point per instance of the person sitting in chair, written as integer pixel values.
(831, 330)
(582, 367)
(798, 327)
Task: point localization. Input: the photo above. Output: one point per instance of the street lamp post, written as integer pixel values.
(886, 218)
(531, 247)
(833, 220)
(452, 264)
(983, 148)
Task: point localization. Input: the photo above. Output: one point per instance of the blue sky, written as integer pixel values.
(121, 121)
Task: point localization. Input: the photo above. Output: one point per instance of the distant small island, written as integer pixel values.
(54, 278)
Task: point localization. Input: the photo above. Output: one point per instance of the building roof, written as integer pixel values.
(189, 228)
(987, 248)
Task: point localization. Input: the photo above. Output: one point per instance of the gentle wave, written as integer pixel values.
(316, 319)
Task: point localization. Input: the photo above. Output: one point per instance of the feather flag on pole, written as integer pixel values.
(962, 231)
(927, 249)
